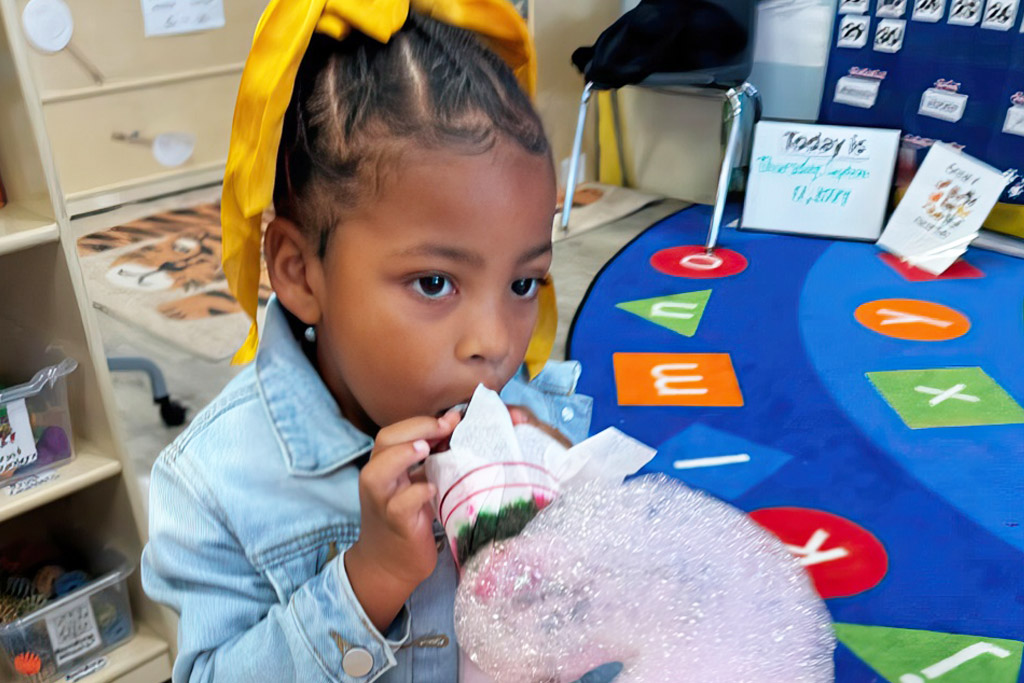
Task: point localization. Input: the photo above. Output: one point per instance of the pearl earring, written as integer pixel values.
(310, 334)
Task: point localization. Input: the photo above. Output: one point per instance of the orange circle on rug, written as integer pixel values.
(843, 558)
(695, 262)
(912, 319)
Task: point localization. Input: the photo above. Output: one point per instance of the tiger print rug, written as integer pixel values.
(163, 274)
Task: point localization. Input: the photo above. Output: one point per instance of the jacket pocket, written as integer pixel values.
(291, 565)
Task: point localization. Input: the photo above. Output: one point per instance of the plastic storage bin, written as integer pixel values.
(35, 426)
(72, 631)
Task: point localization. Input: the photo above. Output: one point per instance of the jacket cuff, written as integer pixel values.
(343, 639)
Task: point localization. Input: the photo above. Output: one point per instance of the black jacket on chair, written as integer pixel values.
(667, 36)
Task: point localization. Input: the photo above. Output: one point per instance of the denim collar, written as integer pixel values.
(314, 437)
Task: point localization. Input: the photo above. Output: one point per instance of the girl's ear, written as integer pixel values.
(296, 272)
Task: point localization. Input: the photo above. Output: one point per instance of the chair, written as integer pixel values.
(736, 18)
(171, 412)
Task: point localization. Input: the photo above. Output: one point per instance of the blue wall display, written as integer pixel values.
(948, 70)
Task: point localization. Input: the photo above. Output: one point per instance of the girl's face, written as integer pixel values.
(431, 288)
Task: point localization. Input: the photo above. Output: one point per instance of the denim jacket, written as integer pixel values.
(251, 511)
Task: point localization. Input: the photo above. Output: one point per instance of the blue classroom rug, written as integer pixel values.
(869, 417)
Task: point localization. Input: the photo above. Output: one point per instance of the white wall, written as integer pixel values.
(559, 27)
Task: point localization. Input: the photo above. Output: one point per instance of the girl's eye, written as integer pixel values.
(526, 287)
(433, 286)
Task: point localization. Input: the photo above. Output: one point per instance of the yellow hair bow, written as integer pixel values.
(281, 39)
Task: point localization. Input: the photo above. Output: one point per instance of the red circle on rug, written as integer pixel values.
(693, 261)
(842, 558)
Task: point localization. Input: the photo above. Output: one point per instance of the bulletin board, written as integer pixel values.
(948, 70)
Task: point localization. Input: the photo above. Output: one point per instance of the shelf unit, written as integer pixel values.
(95, 496)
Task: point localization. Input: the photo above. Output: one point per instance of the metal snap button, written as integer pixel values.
(357, 662)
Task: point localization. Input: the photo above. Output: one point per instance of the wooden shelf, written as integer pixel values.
(85, 470)
(50, 96)
(97, 492)
(21, 228)
(143, 659)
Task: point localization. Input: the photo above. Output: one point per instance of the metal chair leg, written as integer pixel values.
(574, 160)
(733, 120)
(172, 412)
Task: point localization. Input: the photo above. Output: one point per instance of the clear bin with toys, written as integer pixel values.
(60, 613)
(35, 425)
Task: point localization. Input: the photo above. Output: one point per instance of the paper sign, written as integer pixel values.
(831, 181)
(853, 6)
(889, 35)
(174, 17)
(853, 31)
(999, 15)
(1014, 123)
(942, 211)
(857, 92)
(929, 10)
(17, 447)
(943, 104)
(965, 12)
(73, 631)
(891, 8)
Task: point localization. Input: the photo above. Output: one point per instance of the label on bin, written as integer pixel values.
(17, 447)
(87, 669)
(30, 482)
(73, 631)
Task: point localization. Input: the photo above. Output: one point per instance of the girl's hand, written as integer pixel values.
(396, 549)
(523, 415)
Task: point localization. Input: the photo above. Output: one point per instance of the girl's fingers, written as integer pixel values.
(388, 468)
(405, 506)
(418, 474)
(521, 415)
(430, 429)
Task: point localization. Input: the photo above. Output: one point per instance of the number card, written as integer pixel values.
(831, 181)
(965, 12)
(853, 31)
(929, 10)
(889, 35)
(1000, 15)
(892, 8)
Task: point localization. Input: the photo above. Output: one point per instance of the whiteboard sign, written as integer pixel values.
(174, 17)
(828, 181)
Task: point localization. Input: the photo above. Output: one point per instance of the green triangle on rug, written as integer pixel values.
(680, 313)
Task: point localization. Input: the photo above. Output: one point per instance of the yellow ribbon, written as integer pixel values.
(281, 39)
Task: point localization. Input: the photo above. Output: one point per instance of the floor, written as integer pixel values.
(194, 382)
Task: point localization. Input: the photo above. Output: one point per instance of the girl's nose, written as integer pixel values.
(486, 338)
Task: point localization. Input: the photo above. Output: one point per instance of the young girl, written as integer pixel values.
(291, 528)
